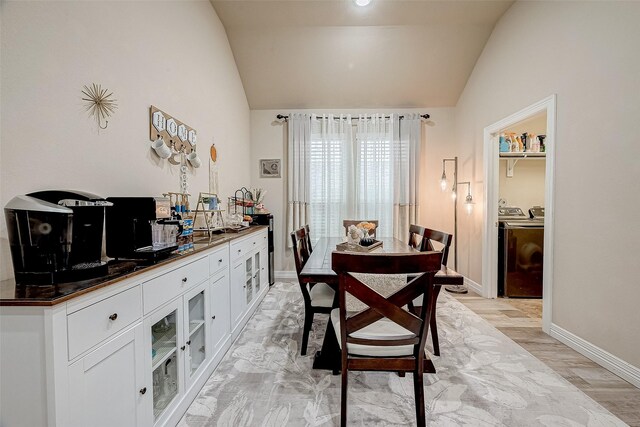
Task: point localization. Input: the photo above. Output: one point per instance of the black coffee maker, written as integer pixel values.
(130, 224)
(56, 236)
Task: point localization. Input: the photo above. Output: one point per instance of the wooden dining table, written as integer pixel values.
(318, 269)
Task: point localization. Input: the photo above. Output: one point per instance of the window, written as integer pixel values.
(351, 175)
(364, 169)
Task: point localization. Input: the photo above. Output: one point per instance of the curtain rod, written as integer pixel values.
(424, 116)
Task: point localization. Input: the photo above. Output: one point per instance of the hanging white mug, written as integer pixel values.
(194, 159)
(161, 148)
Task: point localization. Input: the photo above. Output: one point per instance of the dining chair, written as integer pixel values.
(349, 222)
(307, 230)
(422, 238)
(318, 297)
(383, 336)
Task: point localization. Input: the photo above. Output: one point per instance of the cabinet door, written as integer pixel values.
(220, 310)
(248, 279)
(237, 291)
(264, 267)
(163, 336)
(196, 333)
(107, 388)
(257, 277)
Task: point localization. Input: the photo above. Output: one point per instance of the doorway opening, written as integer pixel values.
(519, 180)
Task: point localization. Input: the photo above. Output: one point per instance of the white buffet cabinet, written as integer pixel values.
(136, 352)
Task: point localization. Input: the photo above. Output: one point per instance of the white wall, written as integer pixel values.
(586, 53)
(170, 54)
(268, 141)
(526, 187)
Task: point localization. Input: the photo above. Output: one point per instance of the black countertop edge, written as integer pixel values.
(12, 294)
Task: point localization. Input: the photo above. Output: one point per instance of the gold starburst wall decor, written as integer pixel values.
(99, 103)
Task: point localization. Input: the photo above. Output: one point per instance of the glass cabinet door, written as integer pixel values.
(164, 354)
(249, 278)
(256, 267)
(196, 341)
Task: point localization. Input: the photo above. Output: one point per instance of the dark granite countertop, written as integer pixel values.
(48, 295)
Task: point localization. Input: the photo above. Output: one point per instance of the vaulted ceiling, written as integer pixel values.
(334, 54)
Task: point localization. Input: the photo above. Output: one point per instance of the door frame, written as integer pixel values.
(491, 194)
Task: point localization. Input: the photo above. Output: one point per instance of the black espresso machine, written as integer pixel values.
(132, 224)
(56, 236)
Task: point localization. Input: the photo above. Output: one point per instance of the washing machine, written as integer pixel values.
(520, 252)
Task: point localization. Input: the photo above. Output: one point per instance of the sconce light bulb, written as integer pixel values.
(468, 204)
(443, 182)
(453, 194)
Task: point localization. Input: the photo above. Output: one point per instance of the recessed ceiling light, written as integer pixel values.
(362, 2)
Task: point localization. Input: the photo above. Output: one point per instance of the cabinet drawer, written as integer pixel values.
(254, 241)
(240, 248)
(262, 240)
(219, 260)
(97, 322)
(163, 289)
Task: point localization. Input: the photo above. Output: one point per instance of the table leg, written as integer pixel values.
(329, 356)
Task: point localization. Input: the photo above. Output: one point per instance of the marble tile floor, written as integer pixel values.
(521, 320)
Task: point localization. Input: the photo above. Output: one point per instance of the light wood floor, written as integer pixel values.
(521, 320)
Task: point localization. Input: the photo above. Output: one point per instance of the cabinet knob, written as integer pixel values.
(213, 317)
(183, 347)
(239, 250)
(220, 260)
(114, 316)
(143, 390)
(189, 342)
(184, 280)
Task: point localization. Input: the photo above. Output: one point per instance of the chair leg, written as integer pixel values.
(434, 333)
(308, 320)
(419, 395)
(343, 398)
(432, 321)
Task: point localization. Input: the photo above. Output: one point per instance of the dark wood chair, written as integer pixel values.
(306, 229)
(348, 222)
(422, 239)
(384, 336)
(318, 297)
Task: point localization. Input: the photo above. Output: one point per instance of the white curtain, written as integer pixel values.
(407, 174)
(339, 172)
(298, 160)
(331, 174)
(375, 171)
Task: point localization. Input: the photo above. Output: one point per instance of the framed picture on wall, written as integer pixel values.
(270, 168)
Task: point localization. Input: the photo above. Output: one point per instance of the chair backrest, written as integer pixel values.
(306, 229)
(420, 265)
(349, 222)
(301, 247)
(422, 239)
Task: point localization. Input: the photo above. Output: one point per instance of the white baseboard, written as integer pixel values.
(286, 275)
(475, 287)
(603, 358)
